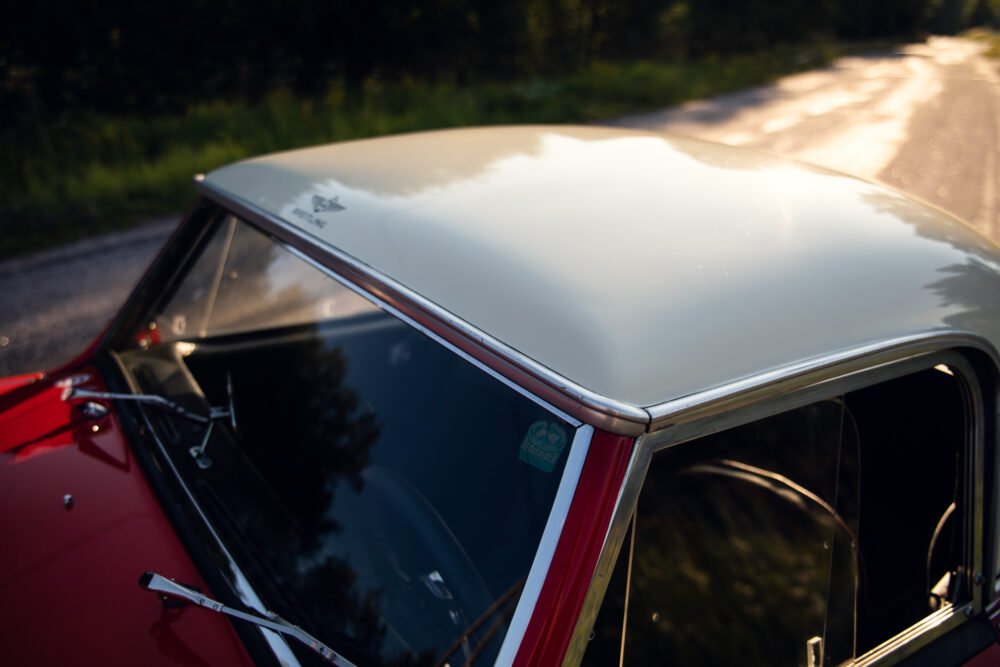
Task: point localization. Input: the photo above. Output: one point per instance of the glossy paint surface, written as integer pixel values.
(641, 267)
(9, 384)
(69, 569)
(561, 599)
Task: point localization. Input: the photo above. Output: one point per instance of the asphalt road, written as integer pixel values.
(924, 119)
(54, 303)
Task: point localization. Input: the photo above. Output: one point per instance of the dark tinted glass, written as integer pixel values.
(378, 489)
(915, 502)
(824, 530)
(730, 535)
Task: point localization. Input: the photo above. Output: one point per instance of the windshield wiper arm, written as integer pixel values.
(160, 584)
(198, 451)
(152, 399)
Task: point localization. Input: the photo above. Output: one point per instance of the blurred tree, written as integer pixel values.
(867, 19)
(115, 55)
(733, 26)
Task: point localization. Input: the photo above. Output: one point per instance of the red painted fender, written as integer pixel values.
(69, 567)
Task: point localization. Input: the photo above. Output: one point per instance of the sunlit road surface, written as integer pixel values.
(924, 119)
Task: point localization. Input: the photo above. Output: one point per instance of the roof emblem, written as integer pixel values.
(324, 205)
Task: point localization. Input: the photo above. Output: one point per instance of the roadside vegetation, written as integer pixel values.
(991, 37)
(105, 116)
(60, 181)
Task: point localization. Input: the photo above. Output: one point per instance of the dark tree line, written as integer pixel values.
(121, 55)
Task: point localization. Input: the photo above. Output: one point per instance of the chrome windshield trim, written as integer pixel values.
(809, 373)
(547, 546)
(241, 585)
(573, 421)
(587, 406)
(767, 395)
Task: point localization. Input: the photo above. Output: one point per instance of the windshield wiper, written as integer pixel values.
(152, 399)
(198, 451)
(160, 584)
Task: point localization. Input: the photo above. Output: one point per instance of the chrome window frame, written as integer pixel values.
(765, 396)
(556, 519)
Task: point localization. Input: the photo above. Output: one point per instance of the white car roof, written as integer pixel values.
(640, 267)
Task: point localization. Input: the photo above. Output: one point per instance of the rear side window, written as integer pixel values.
(810, 537)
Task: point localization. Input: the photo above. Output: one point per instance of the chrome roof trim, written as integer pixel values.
(585, 405)
(573, 421)
(810, 373)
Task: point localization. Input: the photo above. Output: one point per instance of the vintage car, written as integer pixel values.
(521, 396)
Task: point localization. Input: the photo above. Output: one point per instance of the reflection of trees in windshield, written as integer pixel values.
(349, 511)
(373, 473)
(305, 433)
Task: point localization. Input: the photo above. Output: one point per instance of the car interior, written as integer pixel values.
(806, 538)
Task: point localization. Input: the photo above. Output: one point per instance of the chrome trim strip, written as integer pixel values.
(916, 636)
(427, 332)
(547, 546)
(768, 394)
(801, 375)
(881, 366)
(248, 596)
(993, 610)
(585, 405)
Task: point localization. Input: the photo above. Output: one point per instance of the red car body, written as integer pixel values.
(92, 498)
(80, 515)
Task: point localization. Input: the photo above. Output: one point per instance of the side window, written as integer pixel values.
(243, 281)
(810, 537)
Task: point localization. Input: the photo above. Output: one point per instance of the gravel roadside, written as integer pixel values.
(53, 303)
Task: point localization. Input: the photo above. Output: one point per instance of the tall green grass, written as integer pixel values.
(88, 174)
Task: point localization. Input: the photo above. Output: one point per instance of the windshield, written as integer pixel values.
(376, 488)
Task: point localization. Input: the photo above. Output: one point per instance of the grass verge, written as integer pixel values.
(85, 175)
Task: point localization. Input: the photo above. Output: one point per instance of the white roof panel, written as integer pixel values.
(642, 267)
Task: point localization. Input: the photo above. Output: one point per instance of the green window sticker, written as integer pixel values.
(543, 444)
